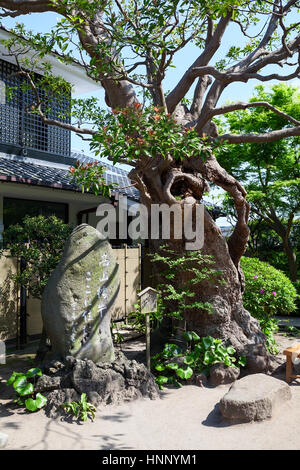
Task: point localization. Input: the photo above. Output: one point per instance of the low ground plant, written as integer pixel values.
(82, 410)
(23, 384)
(174, 364)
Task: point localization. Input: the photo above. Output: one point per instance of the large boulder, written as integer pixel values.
(78, 298)
(254, 398)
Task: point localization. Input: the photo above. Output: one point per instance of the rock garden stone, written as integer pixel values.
(104, 383)
(257, 359)
(200, 380)
(254, 398)
(78, 298)
(220, 374)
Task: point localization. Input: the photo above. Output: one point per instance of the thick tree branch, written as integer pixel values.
(22, 7)
(184, 84)
(260, 138)
(241, 106)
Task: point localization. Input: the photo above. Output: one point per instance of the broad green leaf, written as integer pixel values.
(161, 379)
(207, 342)
(24, 390)
(172, 365)
(230, 350)
(13, 377)
(33, 372)
(20, 382)
(184, 373)
(40, 400)
(242, 361)
(31, 404)
(189, 359)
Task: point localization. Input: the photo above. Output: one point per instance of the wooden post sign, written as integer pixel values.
(148, 299)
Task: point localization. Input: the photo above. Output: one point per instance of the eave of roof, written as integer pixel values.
(74, 73)
(17, 169)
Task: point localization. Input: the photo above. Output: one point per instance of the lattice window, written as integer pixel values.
(22, 129)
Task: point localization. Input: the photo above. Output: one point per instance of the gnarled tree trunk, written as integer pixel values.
(184, 184)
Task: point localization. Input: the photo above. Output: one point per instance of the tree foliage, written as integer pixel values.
(270, 172)
(39, 241)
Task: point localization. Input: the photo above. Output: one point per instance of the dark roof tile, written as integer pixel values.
(19, 170)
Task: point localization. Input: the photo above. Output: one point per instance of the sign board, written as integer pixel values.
(148, 300)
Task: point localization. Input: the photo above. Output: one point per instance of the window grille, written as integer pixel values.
(26, 131)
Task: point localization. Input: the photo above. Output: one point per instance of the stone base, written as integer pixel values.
(108, 383)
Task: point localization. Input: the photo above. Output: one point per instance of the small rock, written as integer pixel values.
(200, 380)
(254, 398)
(277, 365)
(3, 440)
(94, 398)
(220, 374)
(56, 398)
(46, 383)
(70, 362)
(257, 359)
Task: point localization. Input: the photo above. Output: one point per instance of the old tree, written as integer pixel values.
(169, 136)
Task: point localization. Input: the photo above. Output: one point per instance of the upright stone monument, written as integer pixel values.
(78, 299)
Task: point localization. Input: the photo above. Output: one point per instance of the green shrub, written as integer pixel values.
(40, 242)
(267, 290)
(199, 356)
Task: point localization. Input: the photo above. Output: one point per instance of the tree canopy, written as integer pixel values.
(270, 172)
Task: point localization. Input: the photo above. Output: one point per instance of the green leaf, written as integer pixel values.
(161, 379)
(172, 365)
(172, 350)
(33, 372)
(20, 382)
(242, 361)
(31, 404)
(40, 400)
(184, 373)
(191, 336)
(13, 377)
(160, 367)
(26, 389)
(207, 342)
(189, 359)
(230, 350)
